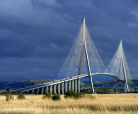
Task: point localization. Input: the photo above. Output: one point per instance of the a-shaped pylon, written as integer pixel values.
(118, 66)
(83, 57)
(84, 51)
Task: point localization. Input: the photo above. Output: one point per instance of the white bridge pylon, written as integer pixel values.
(84, 58)
(118, 66)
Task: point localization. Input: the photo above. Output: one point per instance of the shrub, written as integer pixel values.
(69, 93)
(47, 95)
(56, 97)
(72, 94)
(77, 95)
(21, 96)
(9, 97)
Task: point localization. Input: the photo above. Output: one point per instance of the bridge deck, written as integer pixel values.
(68, 79)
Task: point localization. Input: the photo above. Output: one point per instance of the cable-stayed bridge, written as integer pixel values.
(84, 60)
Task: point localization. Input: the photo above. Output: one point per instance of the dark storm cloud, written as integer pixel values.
(36, 35)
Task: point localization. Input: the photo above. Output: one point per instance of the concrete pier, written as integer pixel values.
(65, 84)
(58, 88)
(78, 84)
(75, 85)
(126, 88)
(72, 85)
(50, 89)
(116, 86)
(40, 90)
(62, 86)
(44, 90)
(36, 91)
(69, 84)
(31, 92)
(55, 89)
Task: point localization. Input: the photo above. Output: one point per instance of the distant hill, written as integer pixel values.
(105, 86)
(100, 86)
(21, 84)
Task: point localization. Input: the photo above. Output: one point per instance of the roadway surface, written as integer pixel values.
(68, 79)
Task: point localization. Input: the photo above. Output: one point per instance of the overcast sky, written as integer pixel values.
(36, 35)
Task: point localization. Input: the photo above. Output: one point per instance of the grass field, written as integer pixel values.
(101, 104)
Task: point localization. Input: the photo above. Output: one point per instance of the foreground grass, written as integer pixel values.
(101, 104)
(60, 111)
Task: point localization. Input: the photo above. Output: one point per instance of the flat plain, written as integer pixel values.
(125, 103)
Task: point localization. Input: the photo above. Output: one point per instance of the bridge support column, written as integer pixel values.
(46, 90)
(26, 92)
(75, 85)
(125, 87)
(36, 91)
(55, 89)
(136, 90)
(72, 85)
(31, 91)
(58, 88)
(116, 86)
(62, 88)
(69, 85)
(65, 87)
(125, 90)
(40, 90)
(78, 84)
(132, 89)
(50, 89)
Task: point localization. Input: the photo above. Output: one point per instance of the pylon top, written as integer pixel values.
(83, 19)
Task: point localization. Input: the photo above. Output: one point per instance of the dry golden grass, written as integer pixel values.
(102, 104)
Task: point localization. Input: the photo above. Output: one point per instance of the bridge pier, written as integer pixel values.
(62, 88)
(125, 87)
(65, 87)
(78, 84)
(26, 92)
(130, 89)
(45, 89)
(58, 88)
(72, 85)
(75, 85)
(55, 89)
(116, 86)
(134, 89)
(40, 90)
(36, 91)
(31, 91)
(50, 89)
(69, 83)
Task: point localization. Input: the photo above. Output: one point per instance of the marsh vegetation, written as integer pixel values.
(90, 104)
